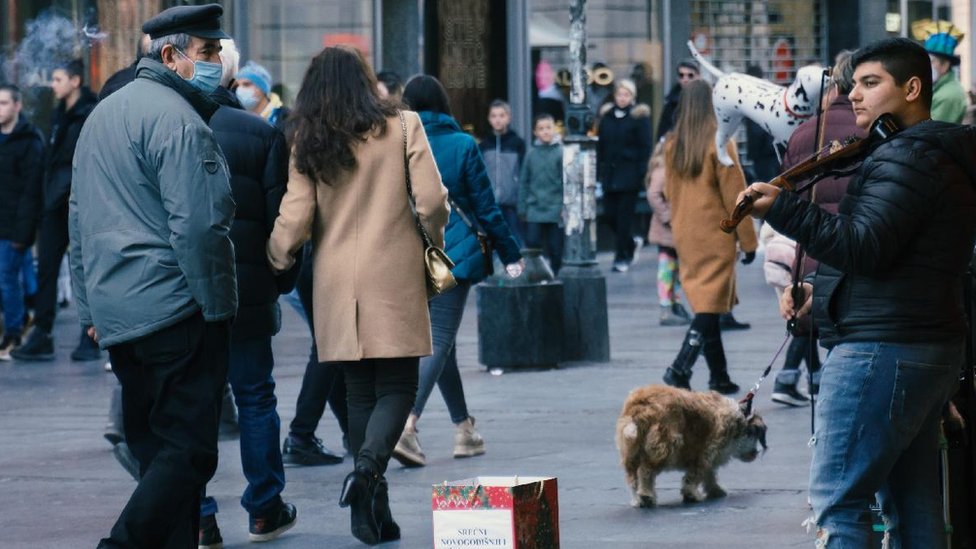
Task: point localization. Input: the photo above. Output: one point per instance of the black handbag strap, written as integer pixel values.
(424, 235)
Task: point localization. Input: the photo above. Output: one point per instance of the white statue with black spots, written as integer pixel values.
(777, 109)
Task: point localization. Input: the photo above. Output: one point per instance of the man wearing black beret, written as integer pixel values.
(153, 268)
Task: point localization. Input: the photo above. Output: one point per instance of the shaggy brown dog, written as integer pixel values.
(662, 428)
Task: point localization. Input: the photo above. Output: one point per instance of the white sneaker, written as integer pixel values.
(108, 366)
(408, 451)
(8, 344)
(467, 441)
(620, 266)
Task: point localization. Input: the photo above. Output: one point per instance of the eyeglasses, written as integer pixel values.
(688, 75)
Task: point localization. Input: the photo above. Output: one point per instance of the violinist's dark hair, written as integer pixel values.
(903, 58)
(337, 108)
(426, 93)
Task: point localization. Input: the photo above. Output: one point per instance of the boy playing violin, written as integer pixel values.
(887, 298)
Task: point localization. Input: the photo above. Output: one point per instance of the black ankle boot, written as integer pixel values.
(717, 366)
(389, 529)
(358, 493)
(679, 374)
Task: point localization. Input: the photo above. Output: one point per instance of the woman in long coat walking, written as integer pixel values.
(702, 191)
(464, 174)
(347, 192)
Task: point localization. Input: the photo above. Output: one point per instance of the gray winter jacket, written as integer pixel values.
(503, 156)
(541, 190)
(150, 211)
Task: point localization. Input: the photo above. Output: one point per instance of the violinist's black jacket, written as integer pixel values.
(894, 259)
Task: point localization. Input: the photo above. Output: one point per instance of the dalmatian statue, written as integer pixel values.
(777, 109)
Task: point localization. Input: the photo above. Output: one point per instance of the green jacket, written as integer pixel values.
(541, 184)
(948, 99)
(150, 211)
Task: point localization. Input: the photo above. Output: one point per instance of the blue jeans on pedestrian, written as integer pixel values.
(441, 368)
(877, 439)
(249, 374)
(11, 288)
(29, 274)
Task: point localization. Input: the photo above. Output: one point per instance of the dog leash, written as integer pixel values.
(746, 401)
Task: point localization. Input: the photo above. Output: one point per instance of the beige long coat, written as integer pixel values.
(706, 254)
(369, 294)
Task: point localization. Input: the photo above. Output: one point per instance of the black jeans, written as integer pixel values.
(381, 393)
(550, 236)
(52, 242)
(323, 382)
(172, 383)
(618, 207)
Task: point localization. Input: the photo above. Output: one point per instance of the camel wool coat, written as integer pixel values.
(707, 254)
(369, 283)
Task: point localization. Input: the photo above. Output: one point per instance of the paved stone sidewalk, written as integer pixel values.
(61, 488)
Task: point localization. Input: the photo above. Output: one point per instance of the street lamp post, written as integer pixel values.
(586, 332)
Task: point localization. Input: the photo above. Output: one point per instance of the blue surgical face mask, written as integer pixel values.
(248, 98)
(206, 76)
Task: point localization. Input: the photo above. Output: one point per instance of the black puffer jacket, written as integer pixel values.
(892, 262)
(21, 177)
(64, 136)
(624, 147)
(258, 160)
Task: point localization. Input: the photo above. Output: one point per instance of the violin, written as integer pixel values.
(815, 168)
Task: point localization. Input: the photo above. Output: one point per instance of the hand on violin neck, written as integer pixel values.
(762, 196)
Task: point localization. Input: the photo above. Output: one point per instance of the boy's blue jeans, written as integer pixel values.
(11, 288)
(877, 438)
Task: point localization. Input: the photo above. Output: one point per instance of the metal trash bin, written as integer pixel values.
(520, 320)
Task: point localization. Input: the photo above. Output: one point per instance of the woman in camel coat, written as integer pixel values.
(702, 192)
(347, 192)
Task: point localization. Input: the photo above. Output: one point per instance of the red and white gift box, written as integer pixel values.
(500, 512)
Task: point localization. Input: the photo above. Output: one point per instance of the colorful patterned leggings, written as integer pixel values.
(668, 282)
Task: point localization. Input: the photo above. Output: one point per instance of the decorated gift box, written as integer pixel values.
(500, 512)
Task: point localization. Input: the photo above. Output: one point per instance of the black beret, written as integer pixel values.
(199, 21)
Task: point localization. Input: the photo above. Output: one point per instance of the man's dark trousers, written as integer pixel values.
(323, 381)
(172, 383)
(52, 242)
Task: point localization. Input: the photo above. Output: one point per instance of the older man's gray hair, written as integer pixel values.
(180, 41)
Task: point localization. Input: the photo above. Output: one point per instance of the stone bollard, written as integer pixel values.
(520, 320)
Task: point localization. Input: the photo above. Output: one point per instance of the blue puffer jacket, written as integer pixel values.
(463, 173)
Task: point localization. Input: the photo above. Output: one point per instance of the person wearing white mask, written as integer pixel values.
(253, 88)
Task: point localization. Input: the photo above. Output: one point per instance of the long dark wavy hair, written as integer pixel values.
(336, 109)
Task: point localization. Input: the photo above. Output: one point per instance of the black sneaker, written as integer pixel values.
(209, 534)
(38, 347)
(269, 527)
(8, 345)
(728, 322)
(86, 350)
(723, 386)
(789, 395)
(307, 451)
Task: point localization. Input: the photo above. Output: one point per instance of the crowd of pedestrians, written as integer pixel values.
(201, 200)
